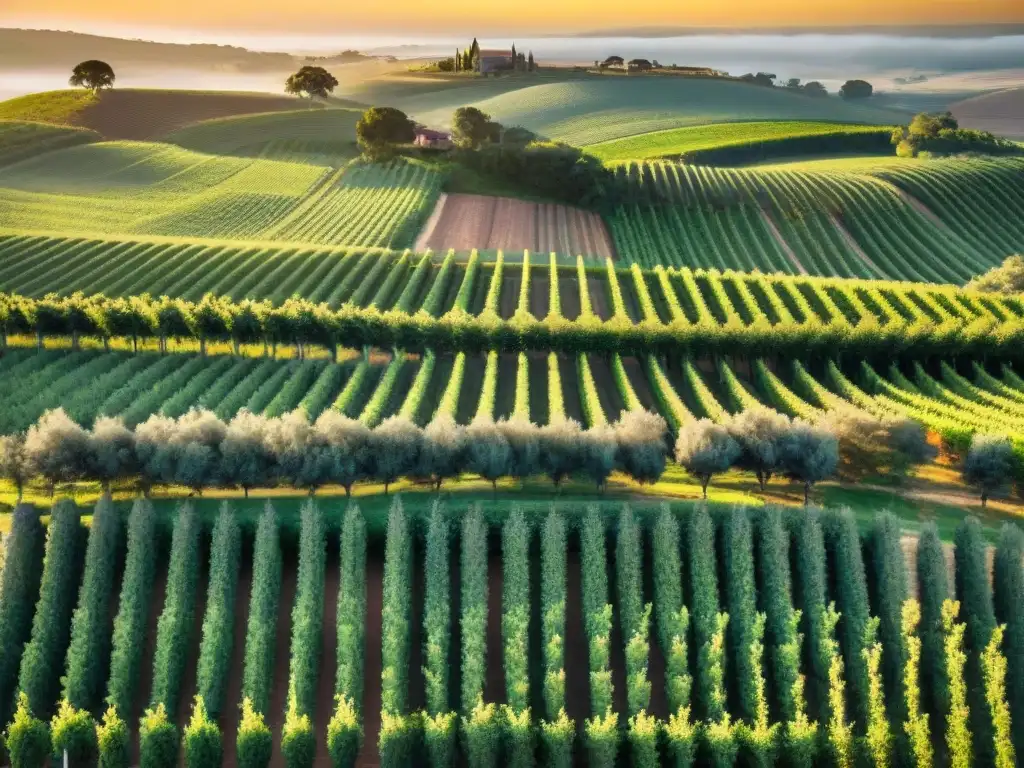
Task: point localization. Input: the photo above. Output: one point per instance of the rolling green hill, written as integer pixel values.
(21, 139)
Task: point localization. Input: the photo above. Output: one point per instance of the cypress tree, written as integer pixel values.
(773, 577)
(810, 597)
(978, 614)
(933, 591)
(958, 731)
(741, 603)
(1008, 594)
(703, 573)
(889, 592)
(852, 604)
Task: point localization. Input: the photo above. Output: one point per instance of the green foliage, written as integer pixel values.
(993, 666)
(878, 739)
(958, 728)
(741, 603)
(515, 621)
(553, 600)
(705, 449)
(351, 618)
(437, 619)
(261, 629)
(810, 594)
(759, 741)
(671, 616)
(254, 743)
(27, 738)
(307, 623)
(1008, 595)
(933, 589)
(773, 576)
(19, 590)
(481, 730)
(344, 733)
(51, 627)
(174, 627)
(851, 593)
(518, 737)
(215, 650)
(642, 734)
(702, 569)
(158, 739)
(201, 739)
(601, 734)
(681, 735)
(473, 605)
(557, 737)
(439, 734)
(113, 741)
(839, 730)
(989, 464)
(916, 726)
(394, 743)
(298, 741)
(888, 584)
(380, 128)
(1007, 278)
(74, 731)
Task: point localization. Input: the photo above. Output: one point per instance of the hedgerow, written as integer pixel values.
(133, 609)
(916, 725)
(73, 732)
(158, 739)
(602, 728)
(396, 625)
(51, 627)
(741, 602)
(439, 721)
(307, 614)
(810, 590)
(702, 568)
(201, 739)
(878, 737)
(515, 627)
(112, 739)
(261, 626)
(557, 730)
(19, 590)
(959, 749)
(933, 591)
(174, 627)
(1008, 596)
(344, 732)
(89, 652)
(480, 724)
(889, 584)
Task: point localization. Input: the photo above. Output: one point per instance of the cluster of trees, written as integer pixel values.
(468, 60)
(381, 130)
(311, 81)
(1007, 278)
(767, 443)
(93, 74)
(198, 450)
(812, 88)
(941, 134)
(633, 65)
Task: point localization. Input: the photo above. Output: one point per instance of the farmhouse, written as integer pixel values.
(495, 61)
(425, 137)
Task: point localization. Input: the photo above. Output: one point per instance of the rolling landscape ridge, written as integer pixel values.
(491, 410)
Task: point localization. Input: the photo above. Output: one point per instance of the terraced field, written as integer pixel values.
(919, 222)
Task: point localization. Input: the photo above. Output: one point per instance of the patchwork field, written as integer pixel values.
(466, 222)
(1001, 112)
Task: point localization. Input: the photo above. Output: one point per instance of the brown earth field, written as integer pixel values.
(491, 223)
(143, 114)
(1001, 113)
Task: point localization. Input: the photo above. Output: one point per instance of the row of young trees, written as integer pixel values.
(198, 450)
(303, 323)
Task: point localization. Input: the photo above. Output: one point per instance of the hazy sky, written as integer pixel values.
(533, 16)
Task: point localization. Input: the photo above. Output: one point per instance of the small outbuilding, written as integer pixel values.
(495, 61)
(430, 139)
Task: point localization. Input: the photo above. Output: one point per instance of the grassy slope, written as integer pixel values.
(22, 139)
(676, 141)
(58, 107)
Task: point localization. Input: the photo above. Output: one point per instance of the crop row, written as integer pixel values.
(811, 637)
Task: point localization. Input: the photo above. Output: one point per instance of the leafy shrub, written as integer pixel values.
(741, 603)
(916, 725)
(203, 748)
(933, 591)
(993, 666)
(810, 596)
(158, 739)
(989, 464)
(705, 449)
(298, 741)
(113, 739)
(27, 738)
(346, 733)
(307, 622)
(254, 743)
(473, 604)
(261, 629)
(1008, 596)
(397, 612)
(958, 729)
(888, 584)
(74, 731)
(437, 619)
(879, 737)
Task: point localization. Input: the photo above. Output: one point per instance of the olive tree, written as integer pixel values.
(311, 81)
(490, 455)
(561, 449)
(443, 453)
(111, 451)
(13, 463)
(340, 452)
(760, 434)
(989, 464)
(809, 454)
(705, 449)
(640, 435)
(599, 449)
(394, 449)
(247, 458)
(57, 449)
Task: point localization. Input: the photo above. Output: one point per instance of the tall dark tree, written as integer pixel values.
(856, 89)
(530, 64)
(471, 128)
(93, 74)
(381, 128)
(311, 81)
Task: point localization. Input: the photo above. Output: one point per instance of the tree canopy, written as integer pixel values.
(311, 81)
(381, 128)
(92, 74)
(1008, 277)
(856, 89)
(472, 128)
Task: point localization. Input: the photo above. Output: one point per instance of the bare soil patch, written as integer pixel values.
(538, 387)
(607, 391)
(569, 295)
(494, 683)
(505, 397)
(570, 387)
(1001, 113)
(508, 301)
(641, 386)
(600, 301)
(372, 663)
(464, 222)
(540, 294)
(472, 385)
(148, 114)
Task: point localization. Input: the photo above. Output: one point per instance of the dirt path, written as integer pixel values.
(146, 670)
(233, 693)
(569, 295)
(538, 387)
(917, 205)
(279, 685)
(766, 217)
(540, 294)
(494, 683)
(328, 655)
(570, 387)
(854, 246)
(638, 378)
(508, 298)
(600, 301)
(505, 397)
(368, 755)
(607, 390)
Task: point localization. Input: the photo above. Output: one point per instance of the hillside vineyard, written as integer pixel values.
(796, 622)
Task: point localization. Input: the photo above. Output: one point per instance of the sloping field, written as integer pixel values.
(1001, 113)
(598, 109)
(20, 139)
(311, 131)
(679, 141)
(139, 113)
(941, 221)
(121, 188)
(465, 222)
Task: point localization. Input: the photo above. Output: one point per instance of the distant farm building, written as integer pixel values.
(432, 139)
(495, 61)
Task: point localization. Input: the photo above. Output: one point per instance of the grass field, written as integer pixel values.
(20, 139)
(679, 141)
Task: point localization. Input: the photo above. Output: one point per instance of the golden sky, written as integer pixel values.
(535, 16)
